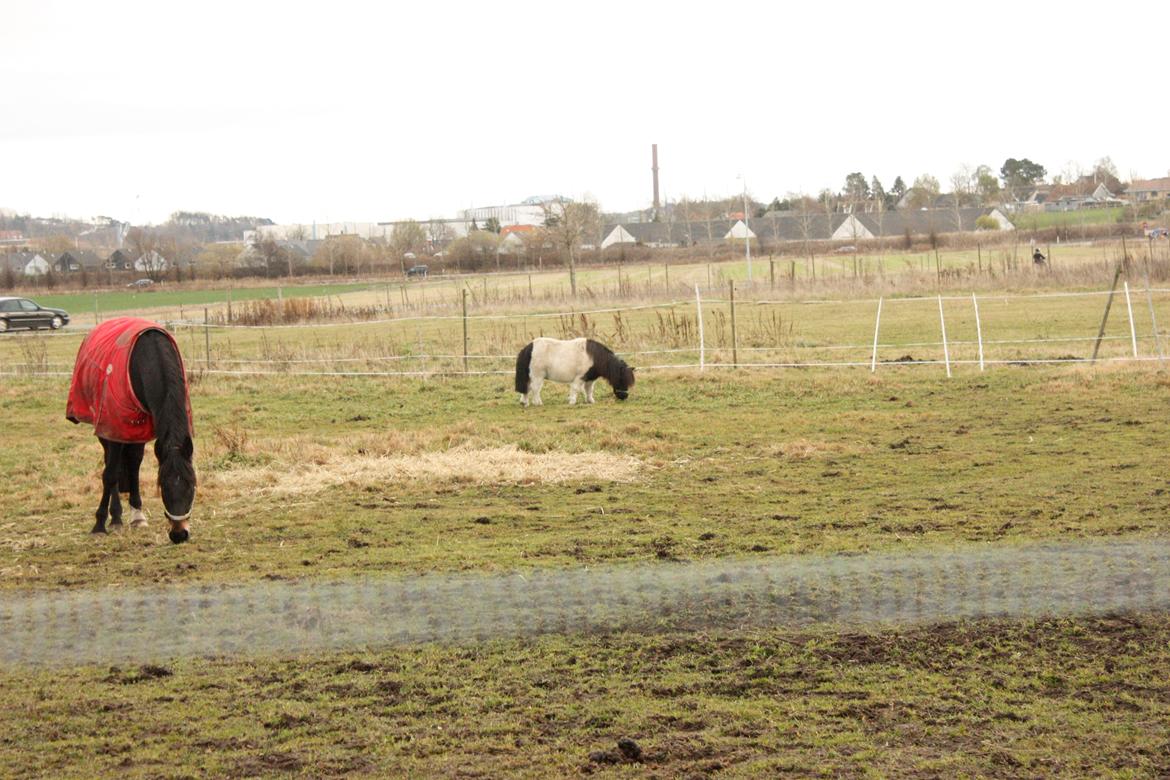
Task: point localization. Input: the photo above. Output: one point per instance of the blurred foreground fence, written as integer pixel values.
(843, 591)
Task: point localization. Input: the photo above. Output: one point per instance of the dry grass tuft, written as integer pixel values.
(459, 465)
(803, 449)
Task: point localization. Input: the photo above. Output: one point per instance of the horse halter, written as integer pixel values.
(176, 518)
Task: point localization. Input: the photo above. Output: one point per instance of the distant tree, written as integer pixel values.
(492, 225)
(54, 246)
(218, 260)
(1019, 175)
(267, 255)
(568, 223)
(924, 191)
(878, 193)
(348, 250)
(439, 234)
(406, 237)
(986, 184)
(856, 188)
(897, 192)
(475, 250)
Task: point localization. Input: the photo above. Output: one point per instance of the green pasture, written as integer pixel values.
(169, 296)
(732, 463)
(1040, 220)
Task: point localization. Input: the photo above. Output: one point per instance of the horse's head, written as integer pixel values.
(623, 381)
(176, 482)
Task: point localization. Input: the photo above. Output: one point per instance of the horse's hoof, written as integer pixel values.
(98, 532)
(180, 536)
(139, 523)
(115, 525)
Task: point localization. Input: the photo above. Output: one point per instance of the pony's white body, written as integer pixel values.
(560, 361)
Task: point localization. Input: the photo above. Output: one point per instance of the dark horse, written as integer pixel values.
(130, 383)
(580, 362)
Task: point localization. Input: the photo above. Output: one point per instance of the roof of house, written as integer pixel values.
(1150, 185)
(82, 257)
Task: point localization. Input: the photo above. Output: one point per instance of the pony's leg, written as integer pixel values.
(575, 387)
(118, 453)
(589, 391)
(113, 454)
(131, 462)
(534, 390)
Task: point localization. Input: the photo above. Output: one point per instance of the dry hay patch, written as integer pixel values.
(806, 449)
(506, 464)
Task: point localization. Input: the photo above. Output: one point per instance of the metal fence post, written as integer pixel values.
(699, 315)
(206, 339)
(1132, 328)
(465, 329)
(946, 350)
(978, 329)
(734, 340)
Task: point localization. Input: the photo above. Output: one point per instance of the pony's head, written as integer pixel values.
(622, 380)
(176, 482)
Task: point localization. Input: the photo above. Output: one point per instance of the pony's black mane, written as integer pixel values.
(607, 365)
(156, 374)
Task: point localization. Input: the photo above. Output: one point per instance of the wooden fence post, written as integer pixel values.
(1108, 305)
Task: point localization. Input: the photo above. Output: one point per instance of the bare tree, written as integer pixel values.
(439, 233)
(805, 217)
(568, 222)
(407, 237)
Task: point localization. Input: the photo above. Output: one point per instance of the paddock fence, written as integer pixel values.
(944, 332)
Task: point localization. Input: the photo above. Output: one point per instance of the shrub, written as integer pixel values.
(986, 222)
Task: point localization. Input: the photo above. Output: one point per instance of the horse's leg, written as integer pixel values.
(589, 391)
(113, 473)
(131, 462)
(109, 486)
(575, 387)
(534, 390)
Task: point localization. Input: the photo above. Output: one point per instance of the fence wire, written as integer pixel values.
(118, 625)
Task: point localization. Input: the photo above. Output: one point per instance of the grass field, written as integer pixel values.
(302, 477)
(1041, 220)
(1005, 267)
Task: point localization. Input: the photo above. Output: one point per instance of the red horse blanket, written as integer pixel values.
(101, 392)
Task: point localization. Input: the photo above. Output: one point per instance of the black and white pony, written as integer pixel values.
(579, 362)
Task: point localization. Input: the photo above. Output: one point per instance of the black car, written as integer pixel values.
(417, 270)
(23, 313)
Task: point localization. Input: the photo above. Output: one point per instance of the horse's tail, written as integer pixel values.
(523, 362)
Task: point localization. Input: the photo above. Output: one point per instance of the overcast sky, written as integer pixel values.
(371, 112)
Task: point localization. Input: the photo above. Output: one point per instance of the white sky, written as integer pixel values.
(369, 112)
